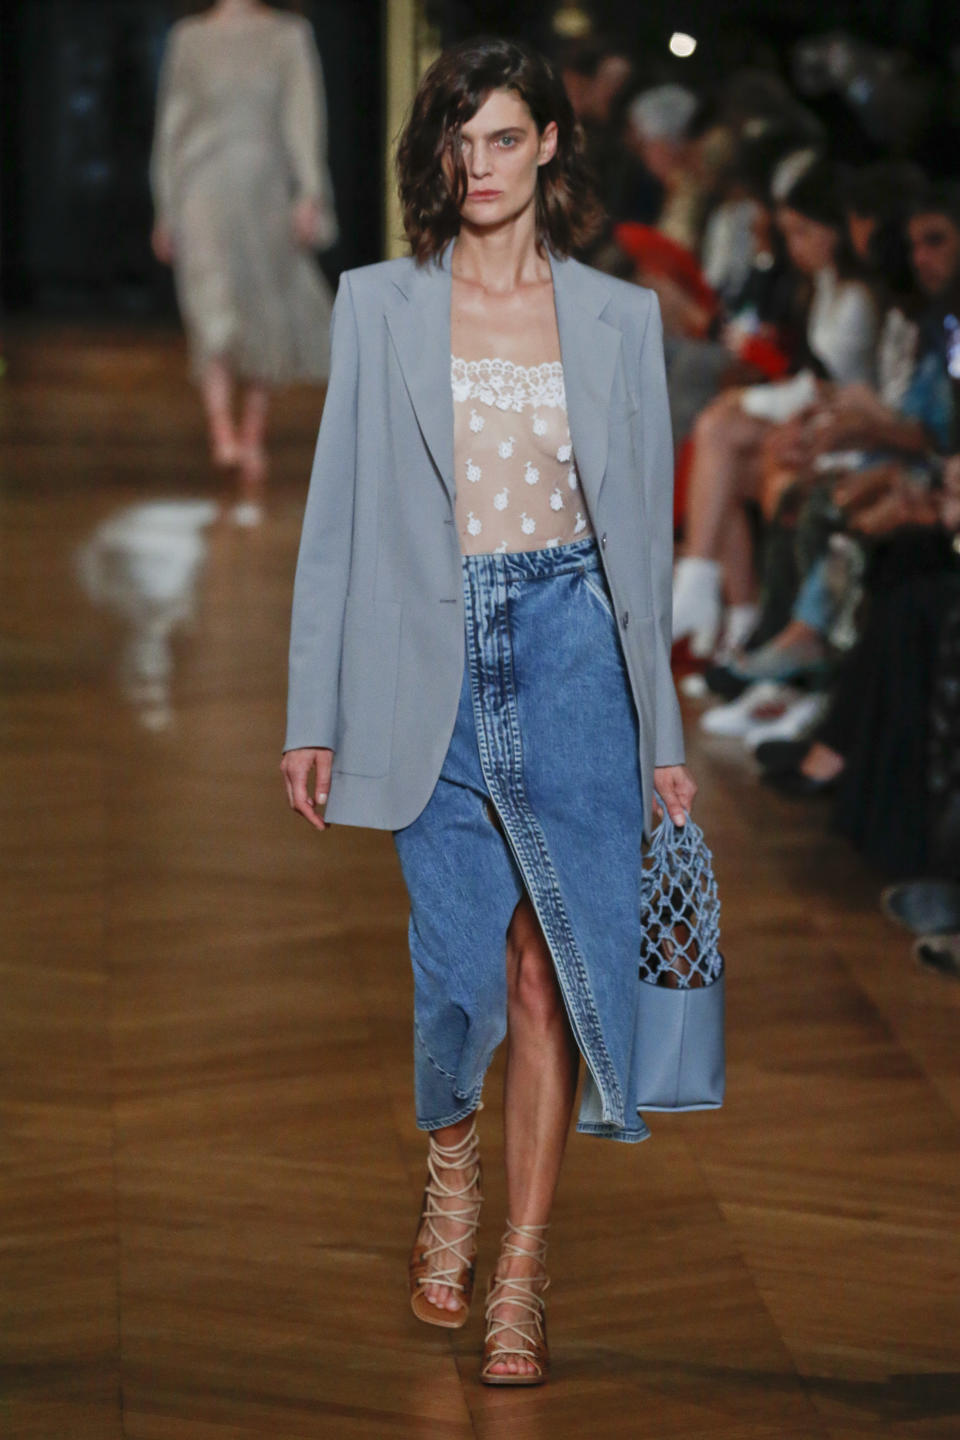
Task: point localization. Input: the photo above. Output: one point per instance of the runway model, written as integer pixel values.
(242, 195)
(480, 655)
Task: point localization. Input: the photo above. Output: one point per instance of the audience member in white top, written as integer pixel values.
(842, 335)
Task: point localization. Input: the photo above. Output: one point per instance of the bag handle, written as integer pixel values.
(670, 837)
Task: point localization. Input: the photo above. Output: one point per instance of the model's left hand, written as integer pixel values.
(678, 788)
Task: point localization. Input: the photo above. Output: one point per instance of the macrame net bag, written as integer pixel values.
(680, 909)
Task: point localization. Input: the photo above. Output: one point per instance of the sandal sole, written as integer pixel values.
(456, 1321)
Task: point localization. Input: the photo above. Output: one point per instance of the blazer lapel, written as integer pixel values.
(589, 349)
(418, 317)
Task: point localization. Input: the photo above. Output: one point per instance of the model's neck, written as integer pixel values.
(502, 258)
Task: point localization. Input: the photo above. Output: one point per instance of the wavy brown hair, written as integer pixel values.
(451, 92)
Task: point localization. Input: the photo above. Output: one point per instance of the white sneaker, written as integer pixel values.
(801, 716)
(744, 713)
(693, 686)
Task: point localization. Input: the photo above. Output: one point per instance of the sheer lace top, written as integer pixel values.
(517, 481)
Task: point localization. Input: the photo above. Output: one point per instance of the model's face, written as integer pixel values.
(810, 245)
(935, 252)
(502, 153)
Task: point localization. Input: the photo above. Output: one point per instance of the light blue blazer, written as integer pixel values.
(377, 642)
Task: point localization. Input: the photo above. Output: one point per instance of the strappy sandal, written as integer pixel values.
(525, 1293)
(433, 1260)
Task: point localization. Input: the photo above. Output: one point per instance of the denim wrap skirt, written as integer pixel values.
(540, 792)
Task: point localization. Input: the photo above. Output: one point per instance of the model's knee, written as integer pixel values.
(533, 992)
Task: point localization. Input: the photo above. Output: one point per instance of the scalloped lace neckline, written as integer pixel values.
(498, 382)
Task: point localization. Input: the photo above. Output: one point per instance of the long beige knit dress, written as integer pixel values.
(240, 138)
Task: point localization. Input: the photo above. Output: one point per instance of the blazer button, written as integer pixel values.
(603, 541)
(625, 619)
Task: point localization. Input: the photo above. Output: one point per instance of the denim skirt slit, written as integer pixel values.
(540, 793)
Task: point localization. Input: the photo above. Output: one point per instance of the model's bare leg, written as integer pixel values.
(252, 455)
(216, 387)
(739, 584)
(539, 1091)
(724, 472)
(735, 553)
(253, 440)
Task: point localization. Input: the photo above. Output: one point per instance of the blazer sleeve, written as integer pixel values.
(657, 451)
(323, 565)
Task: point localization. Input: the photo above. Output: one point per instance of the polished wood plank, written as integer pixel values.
(211, 1172)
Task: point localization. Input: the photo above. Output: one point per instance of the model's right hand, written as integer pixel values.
(161, 241)
(295, 768)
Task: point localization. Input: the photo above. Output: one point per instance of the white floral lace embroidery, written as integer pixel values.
(518, 486)
(508, 386)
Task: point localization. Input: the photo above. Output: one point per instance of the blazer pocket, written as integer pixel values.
(368, 686)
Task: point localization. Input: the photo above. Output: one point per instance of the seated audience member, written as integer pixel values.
(656, 130)
(877, 199)
(882, 746)
(854, 428)
(761, 334)
(841, 341)
(596, 75)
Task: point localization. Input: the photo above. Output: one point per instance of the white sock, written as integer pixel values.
(738, 625)
(697, 604)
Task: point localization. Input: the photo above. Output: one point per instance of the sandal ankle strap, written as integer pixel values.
(464, 1155)
(535, 1233)
(457, 1156)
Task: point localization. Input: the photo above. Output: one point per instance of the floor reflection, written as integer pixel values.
(143, 564)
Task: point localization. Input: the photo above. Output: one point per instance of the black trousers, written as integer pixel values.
(881, 717)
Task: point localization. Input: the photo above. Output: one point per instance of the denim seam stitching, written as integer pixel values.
(439, 1068)
(566, 955)
(598, 594)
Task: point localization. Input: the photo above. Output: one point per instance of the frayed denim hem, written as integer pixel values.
(613, 1132)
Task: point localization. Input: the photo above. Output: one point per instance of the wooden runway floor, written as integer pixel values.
(211, 1172)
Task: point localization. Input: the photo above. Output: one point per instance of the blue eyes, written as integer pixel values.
(503, 142)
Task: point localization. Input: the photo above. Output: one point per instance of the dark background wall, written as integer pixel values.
(920, 38)
(78, 81)
(79, 84)
(925, 27)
